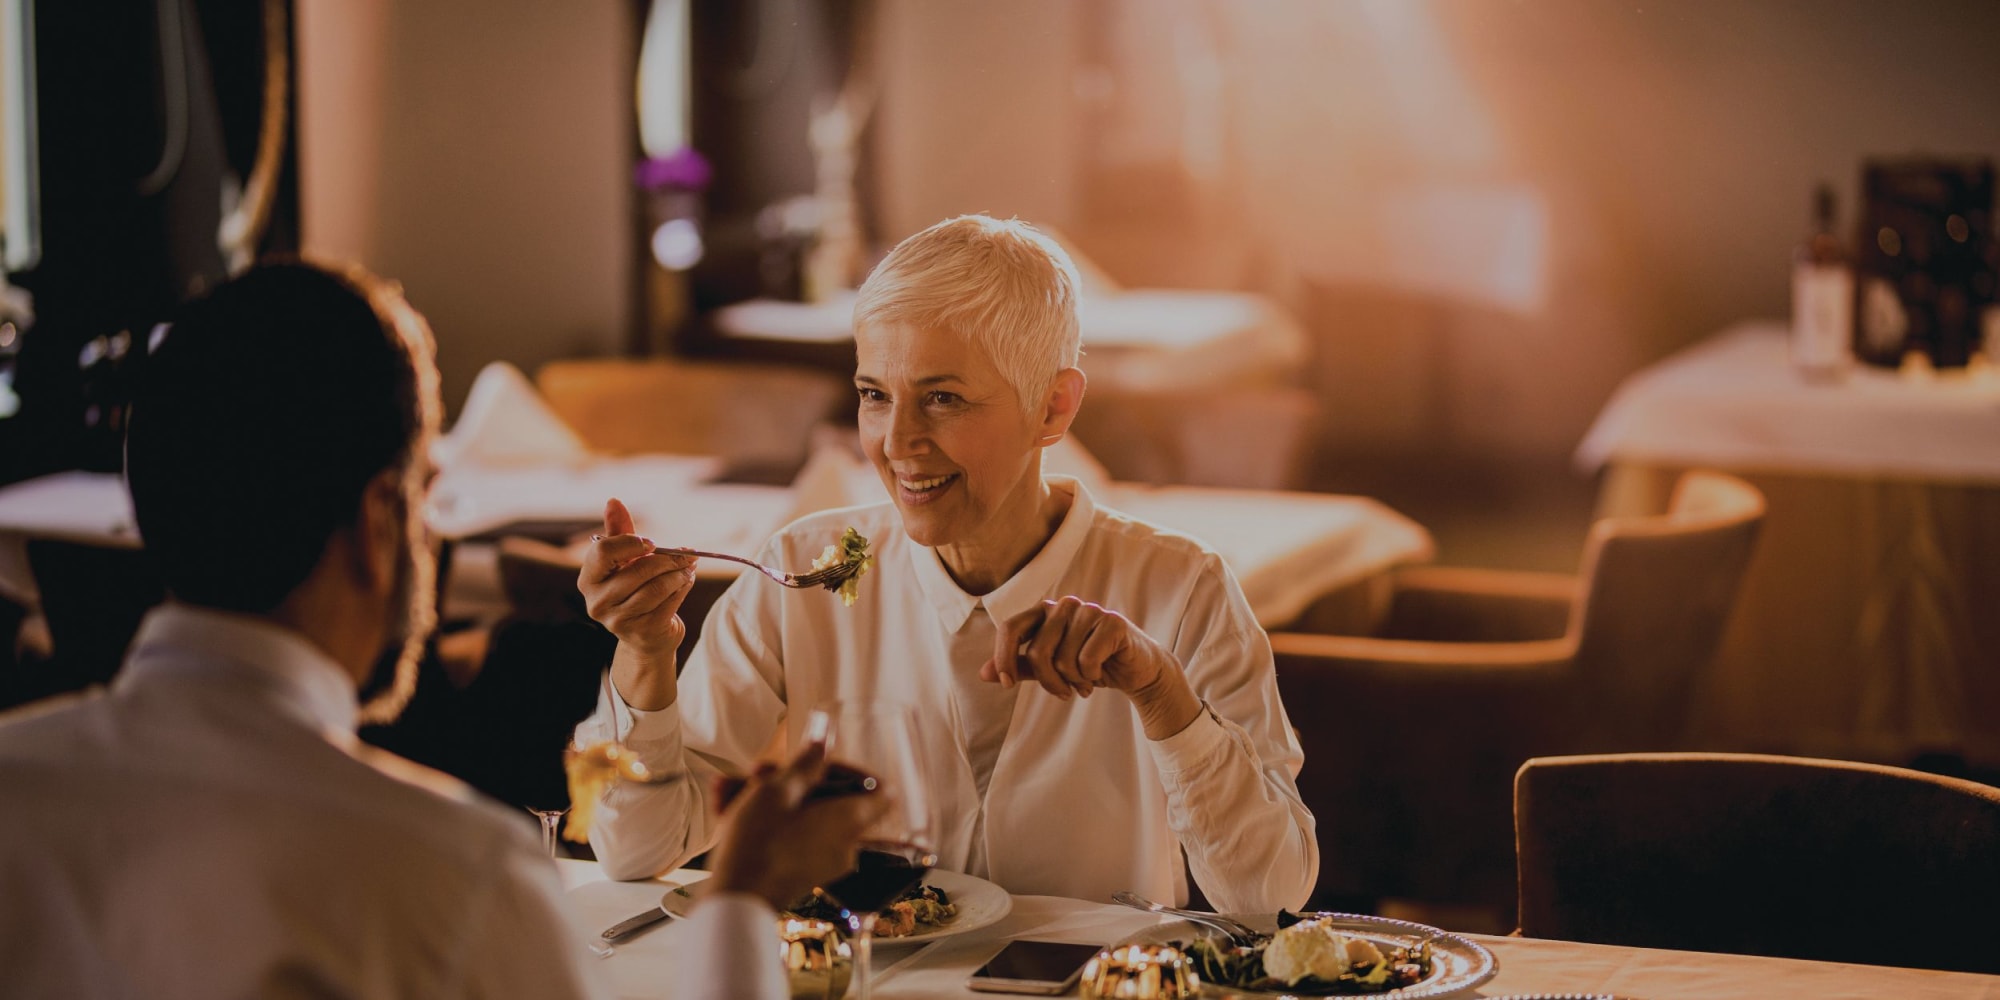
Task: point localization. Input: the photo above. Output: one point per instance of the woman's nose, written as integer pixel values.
(907, 436)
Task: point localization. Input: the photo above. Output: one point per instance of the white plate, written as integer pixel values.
(1457, 964)
(980, 904)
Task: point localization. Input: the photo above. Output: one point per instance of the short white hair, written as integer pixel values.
(1001, 284)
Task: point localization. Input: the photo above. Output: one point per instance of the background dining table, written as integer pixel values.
(645, 966)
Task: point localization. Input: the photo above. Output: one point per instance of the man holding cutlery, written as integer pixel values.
(210, 826)
(1098, 702)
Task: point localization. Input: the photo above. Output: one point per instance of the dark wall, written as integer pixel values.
(146, 111)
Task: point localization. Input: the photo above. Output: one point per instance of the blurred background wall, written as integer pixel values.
(480, 152)
(1486, 211)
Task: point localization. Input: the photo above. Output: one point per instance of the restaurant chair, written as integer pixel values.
(1751, 854)
(1412, 734)
(758, 417)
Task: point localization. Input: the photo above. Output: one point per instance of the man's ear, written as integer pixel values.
(378, 530)
(1065, 396)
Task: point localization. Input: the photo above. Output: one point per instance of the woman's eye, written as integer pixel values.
(944, 398)
(871, 395)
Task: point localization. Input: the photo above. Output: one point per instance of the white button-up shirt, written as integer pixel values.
(1080, 803)
(210, 827)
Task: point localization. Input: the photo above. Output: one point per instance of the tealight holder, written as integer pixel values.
(817, 960)
(1141, 972)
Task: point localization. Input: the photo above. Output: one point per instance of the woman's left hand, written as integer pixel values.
(1073, 647)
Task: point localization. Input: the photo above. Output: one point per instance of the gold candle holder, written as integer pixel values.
(817, 959)
(1141, 972)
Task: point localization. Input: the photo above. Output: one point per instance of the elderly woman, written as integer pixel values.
(1096, 697)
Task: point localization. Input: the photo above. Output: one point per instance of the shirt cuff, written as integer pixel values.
(1196, 742)
(639, 726)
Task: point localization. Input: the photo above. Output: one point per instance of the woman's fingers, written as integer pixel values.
(1084, 624)
(1007, 638)
(617, 520)
(1042, 649)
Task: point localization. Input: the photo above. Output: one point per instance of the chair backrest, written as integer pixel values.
(1657, 592)
(1752, 854)
(747, 413)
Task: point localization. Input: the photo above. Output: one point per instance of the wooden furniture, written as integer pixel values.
(1412, 734)
(1761, 855)
(1867, 627)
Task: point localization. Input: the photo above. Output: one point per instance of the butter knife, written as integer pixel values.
(633, 925)
(637, 922)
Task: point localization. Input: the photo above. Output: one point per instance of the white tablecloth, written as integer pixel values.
(1735, 402)
(1286, 548)
(1864, 627)
(645, 966)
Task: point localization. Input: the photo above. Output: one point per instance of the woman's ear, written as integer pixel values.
(1065, 396)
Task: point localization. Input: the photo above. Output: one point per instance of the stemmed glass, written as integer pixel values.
(551, 821)
(870, 745)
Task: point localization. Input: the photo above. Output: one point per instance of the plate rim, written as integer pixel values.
(1004, 899)
(1487, 965)
(1003, 904)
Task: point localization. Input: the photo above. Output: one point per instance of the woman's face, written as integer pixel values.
(948, 436)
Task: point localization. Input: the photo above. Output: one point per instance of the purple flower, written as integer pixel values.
(684, 169)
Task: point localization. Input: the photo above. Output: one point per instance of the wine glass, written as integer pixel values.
(872, 745)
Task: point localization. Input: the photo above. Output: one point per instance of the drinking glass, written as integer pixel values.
(873, 745)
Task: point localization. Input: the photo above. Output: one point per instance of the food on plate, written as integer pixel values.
(919, 906)
(1309, 956)
(591, 770)
(852, 549)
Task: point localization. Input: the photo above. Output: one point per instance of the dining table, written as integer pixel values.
(1865, 627)
(646, 965)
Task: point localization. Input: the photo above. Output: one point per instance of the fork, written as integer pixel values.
(1237, 933)
(831, 577)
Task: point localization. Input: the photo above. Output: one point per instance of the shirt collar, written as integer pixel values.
(302, 680)
(1029, 586)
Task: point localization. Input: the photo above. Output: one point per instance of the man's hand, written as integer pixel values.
(1073, 647)
(776, 845)
(637, 595)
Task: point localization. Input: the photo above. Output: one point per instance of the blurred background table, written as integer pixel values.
(1869, 621)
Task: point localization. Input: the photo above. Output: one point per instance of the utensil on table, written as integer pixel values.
(1236, 932)
(637, 922)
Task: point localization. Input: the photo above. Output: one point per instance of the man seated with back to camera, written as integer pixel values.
(209, 826)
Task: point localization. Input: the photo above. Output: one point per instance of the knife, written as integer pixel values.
(633, 925)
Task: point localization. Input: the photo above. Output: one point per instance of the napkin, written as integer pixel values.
(505, 422)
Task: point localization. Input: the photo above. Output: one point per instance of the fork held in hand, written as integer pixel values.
(830, 577)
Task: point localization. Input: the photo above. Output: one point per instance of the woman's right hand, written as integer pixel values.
(636, 594)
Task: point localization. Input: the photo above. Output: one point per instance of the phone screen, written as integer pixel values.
(1056, 963)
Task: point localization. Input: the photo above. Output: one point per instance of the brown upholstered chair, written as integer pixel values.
(1412, 735)
(1745, 853)
(751, 414)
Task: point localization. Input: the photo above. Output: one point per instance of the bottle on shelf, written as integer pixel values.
(1822, 297)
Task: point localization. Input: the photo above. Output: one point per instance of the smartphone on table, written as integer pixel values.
(1040, 968)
